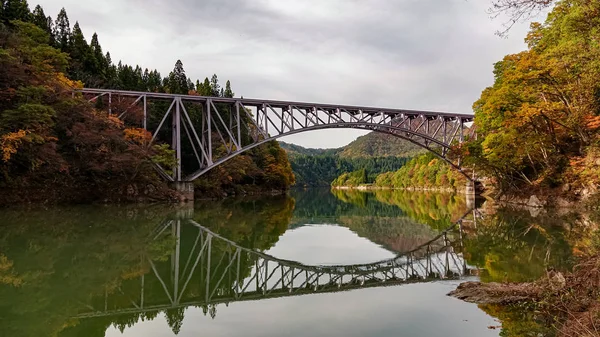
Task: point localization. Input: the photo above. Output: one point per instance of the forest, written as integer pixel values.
(424, 171)
(57, 147)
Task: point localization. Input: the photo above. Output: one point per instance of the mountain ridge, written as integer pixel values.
(373, 144)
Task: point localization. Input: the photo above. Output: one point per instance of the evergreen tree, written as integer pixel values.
(62, 30)
(98, 55)
(205, 89)
(215, 88)
(40, 19)
(17, 10)
(177, 82)
(228, 92)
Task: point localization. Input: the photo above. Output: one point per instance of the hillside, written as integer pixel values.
(297, 150)
(374, 144)
(373, 153)
(377, 144)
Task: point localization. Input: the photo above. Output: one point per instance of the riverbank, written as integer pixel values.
(374, 187)
(568, 303)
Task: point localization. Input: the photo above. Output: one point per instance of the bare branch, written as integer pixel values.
(517, 11)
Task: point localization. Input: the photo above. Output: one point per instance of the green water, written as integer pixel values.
(153, 271)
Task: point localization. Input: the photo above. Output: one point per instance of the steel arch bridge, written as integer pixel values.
(217, 135)
(215, 262)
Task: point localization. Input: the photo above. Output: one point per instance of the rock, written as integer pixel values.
(562, 202)
(566, 188)
(494, 293)
(535, 202)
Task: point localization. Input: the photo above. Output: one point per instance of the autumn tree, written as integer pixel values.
(539, 115)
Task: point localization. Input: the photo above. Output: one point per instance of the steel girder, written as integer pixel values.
(219, 134)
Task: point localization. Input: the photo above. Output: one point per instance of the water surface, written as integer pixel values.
(313, 263)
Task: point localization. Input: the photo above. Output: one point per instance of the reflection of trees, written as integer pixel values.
(257, 224)
(514, 246)
(439, 210)
(63, 257)
(398, 220)
(56, 264)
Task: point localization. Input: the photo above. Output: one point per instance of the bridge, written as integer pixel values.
(216, 270)
(213, 133)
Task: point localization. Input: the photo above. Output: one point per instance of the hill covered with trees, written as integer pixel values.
(375, 153)
(56, 146)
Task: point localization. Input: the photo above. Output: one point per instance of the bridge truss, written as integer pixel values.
(211, 130)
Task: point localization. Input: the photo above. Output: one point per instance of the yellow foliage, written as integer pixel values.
(138, 135)
(115, 121)
(9, 143)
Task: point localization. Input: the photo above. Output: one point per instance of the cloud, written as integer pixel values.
(419, 54)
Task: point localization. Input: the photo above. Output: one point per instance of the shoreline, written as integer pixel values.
(420, 189)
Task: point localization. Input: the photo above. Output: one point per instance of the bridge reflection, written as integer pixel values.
(206, 269)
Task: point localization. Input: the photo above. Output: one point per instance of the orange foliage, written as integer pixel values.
(9, 143)
(138, 135)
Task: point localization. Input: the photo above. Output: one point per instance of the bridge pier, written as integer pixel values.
(472, 191)
(185, 189)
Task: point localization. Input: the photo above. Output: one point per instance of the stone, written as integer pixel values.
(535, 202)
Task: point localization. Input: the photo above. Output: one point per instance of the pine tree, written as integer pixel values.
(228, 92)
(17, 10)
(214, 86)
(206, 90)
(62, 30)
(177, 82)
(40, 19)
(97, 51)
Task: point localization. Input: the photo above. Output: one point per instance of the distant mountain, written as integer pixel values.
(295, 150)
(377, 144)
(375, 153)
(373, 144)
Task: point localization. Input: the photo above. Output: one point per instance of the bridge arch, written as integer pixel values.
(396, 132)
(267, 120)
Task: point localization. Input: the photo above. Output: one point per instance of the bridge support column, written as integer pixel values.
(185, 189)
(472, 190)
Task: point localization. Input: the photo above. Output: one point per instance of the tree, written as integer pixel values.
(215, 88)
(41, 20)
(97, 51)
(228, 92)
(177, 82)
(62, 30)
(17, 10)
(536, 123)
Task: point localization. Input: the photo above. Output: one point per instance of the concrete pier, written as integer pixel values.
(185, 188)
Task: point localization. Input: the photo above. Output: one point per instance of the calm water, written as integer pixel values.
(314, 263)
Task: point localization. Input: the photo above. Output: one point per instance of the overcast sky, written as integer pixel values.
(411, 54)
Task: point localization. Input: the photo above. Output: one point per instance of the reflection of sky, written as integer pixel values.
(327, 245)
(410, 310)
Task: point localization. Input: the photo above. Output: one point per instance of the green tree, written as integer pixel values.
(62, 30)
(40, 19)
(228, 92)
(177, 82)
(17, 10)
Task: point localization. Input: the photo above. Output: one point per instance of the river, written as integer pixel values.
(312, 263)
